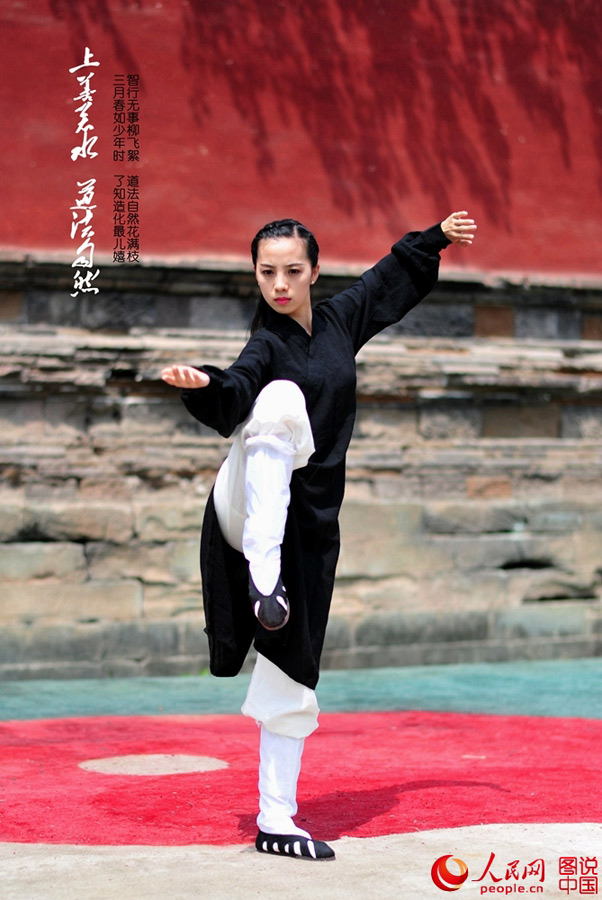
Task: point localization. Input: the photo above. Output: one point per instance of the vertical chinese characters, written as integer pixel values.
(82, 212)
(126, 150)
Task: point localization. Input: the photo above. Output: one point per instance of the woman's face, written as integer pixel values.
(284, 274)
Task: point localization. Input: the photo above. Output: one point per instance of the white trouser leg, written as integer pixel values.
(252, 490)
(252, 494)
(279, 767)
(284, 706)
(267, 490)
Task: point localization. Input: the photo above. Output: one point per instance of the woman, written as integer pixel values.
(270, 538)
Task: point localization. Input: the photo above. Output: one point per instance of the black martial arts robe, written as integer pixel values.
(323, 366)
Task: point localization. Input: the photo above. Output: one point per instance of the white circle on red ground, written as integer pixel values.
(153, 764)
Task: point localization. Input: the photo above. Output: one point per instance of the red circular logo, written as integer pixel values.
(446, 880)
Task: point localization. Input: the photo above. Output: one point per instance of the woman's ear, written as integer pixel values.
(314, 274)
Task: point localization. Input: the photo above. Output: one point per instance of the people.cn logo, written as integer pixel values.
(446, 880)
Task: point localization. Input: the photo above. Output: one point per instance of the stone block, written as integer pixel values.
(397, 628)
(522, 421)
(52, 308)
(12, 518)
(560, 587)
(172, 312)
(12, 307)
(385, 423)
(488, 487)
(592, 327)
(558, 517)
(65, 418)
(219, 314)
(338, 634)
(582, 422)
(165, 601)
(549, 620)
(493, 321)
(437, 320)
(136, 641)
(458, 591)
(184, 561)
(473, 517)
(117, 311)
(20, 562)
(21, 422)
(80, 521)
(193, 640)
(510, 552)
(44, 643)
(442, 422)
(156, 416)
(50, 600)
(379, 540)
(169, 521)
(149, 563)
(587, 546)
(547, 324)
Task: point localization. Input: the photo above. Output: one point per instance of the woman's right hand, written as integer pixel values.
(185, 377)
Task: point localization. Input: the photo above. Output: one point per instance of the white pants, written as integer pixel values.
(251, 495)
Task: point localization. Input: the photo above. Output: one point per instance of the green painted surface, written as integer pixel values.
(550, 688)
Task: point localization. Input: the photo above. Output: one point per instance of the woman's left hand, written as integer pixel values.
(459, 229)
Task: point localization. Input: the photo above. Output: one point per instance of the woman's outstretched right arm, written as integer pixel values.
(222, 398)
(185, 377)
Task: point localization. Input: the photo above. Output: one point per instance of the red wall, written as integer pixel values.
(362, 118)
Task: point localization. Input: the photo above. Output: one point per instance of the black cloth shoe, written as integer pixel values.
(293, 845)
(272, 611)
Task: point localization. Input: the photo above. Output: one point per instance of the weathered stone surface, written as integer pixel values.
(493, 321)
(582, 422)
(173, 600)
(66, 642)
(442, 422)
(557, 517)
(588, 558)
(396, 628)
(79, 521)
(12, 518)
(524, 421)
(164, 521)
(139, 640)
(542, 620)
(219, 314)
(184, 561)
(547, 324)
(193, 640)
(386, 423)
(481, 509)
(560, 588)
(451, 320)
(49, 599)
(474, 517)
(20, 562)
(488, 487)
(338, 634)
(149, 563)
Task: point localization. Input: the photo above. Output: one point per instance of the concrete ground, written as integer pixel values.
(380, 867)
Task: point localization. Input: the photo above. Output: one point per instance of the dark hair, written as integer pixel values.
(279, 229)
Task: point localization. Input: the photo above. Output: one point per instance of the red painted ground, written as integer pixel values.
(364, 775)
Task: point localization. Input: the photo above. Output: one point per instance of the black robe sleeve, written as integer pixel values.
(390, 289)
(231, 392)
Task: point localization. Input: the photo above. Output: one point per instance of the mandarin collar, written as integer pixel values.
(284, 326)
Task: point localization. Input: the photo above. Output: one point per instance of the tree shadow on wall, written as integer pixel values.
(368, 78)
(390, 93)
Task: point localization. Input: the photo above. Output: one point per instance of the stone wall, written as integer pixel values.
(472, 525)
